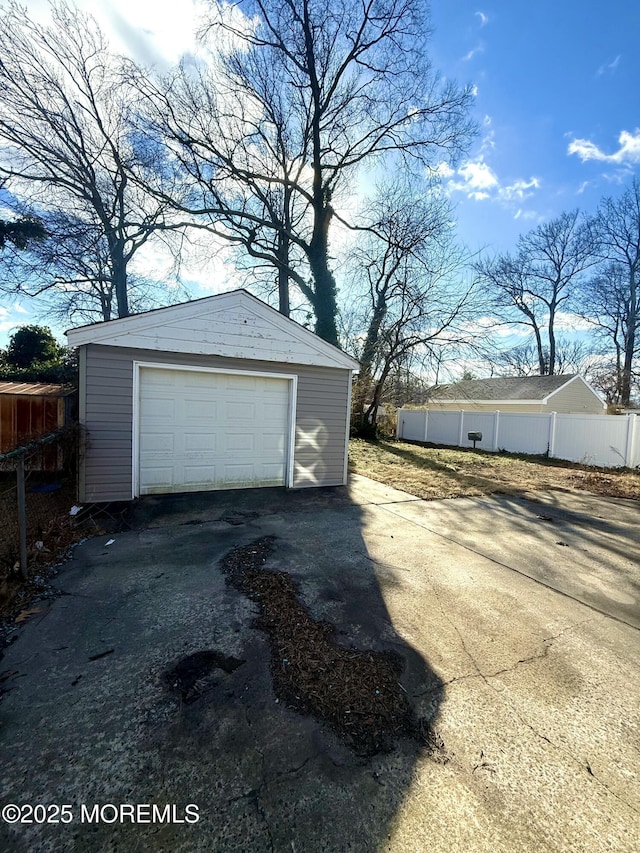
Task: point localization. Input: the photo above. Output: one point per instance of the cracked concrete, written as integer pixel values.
(533, 692)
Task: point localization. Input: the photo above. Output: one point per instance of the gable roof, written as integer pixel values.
(504, 389)
(234, 324)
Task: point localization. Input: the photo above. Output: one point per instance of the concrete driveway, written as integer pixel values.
(533, 692)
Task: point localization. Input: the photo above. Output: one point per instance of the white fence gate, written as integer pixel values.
(608, 441)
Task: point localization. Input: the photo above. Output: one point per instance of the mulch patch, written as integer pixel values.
(357, 693)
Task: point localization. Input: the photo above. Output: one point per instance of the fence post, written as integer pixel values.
(552, 433)
(426, 424)
(22, 516)
(631, 423)
(496, 427)
(461, 431)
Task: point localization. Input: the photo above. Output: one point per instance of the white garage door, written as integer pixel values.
(202, 430)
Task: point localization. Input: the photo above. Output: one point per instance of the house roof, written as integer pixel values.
(234, 324)
(35, 389)
(502, 388)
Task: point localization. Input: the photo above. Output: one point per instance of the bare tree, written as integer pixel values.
(299, 97)
(572, 356)
(613, 295)
(67, 148)
(507, 279)
(541, 279)
(412, 304)
(605, 303)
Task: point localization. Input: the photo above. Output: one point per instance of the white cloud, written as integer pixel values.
(478, 181)
(609, 66)
(488, 143)
(628, 152)
(444, 170)
(473, 52)
(568, 322)
(483, 18)
(477, 178)
(528, 215)
(491, 325)
(150, 32)
(519, 190)
(8, 325)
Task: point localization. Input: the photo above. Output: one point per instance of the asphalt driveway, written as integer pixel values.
(516, 621)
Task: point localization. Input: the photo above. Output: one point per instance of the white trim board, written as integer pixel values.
(135, 435)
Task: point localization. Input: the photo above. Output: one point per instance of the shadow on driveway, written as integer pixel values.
(88, 717)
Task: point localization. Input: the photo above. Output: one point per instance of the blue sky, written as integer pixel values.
(557, 103)
(558, 107)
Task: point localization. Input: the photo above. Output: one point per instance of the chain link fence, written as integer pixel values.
(37, 493)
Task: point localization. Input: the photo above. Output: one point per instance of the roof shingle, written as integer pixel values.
(500, 388)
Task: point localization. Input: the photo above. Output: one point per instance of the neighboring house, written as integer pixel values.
(32, 409)
(222, 392)
(521, 394)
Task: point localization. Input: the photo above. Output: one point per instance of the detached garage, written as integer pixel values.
(219, 393)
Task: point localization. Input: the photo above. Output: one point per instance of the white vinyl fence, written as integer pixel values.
(608, 441)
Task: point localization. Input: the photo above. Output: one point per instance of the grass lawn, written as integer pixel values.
(438, 472)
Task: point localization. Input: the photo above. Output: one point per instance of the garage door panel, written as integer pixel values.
(202, 430)
(198, 475)
(239, 473)
(240, 411)
(196, 442)
(199, 410)
(271, 413)
(270, 472)
(159, 410)
(242, 441)
(273, 443)
(159, 477)
(163, 443)
(239, 382)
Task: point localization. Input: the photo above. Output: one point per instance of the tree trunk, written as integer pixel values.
(365, 376)
(284, 306)
(373, 333)
(630, 342)
(372, 411)
(542, 368)
(551, 367)
(119, 273)
(325, 302)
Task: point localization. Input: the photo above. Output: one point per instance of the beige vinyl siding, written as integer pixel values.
(575, 398)
(106, 475)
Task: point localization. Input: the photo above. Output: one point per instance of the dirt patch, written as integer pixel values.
(193, 675)
(436, 473)
(51, 534)
(357, 693)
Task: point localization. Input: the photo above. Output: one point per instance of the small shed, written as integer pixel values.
(29, 410)
(566, 394)
(218, 393)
